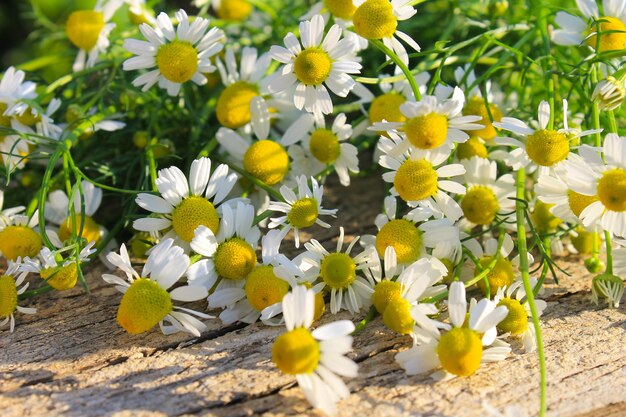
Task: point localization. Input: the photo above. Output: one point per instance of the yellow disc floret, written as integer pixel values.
(397, 316)
(234, 259)
(267, 161)
(303, 213)
(296, 352)
(234, 10)
(480, 205)
(338, 270)
(579, 202)
(543, 220)
(191, 213)
(343, 9)
(470, 148)
(83, 28)
(476, 106)
(516, 322)
(460, 351)
(233, 104)
(502, 274)
(90, 231)
(324, 146)
(547, 147)
(387, 107)
(385, 292)
(143, 306)
(612, 189)
(584, 241)
(312, 66)
(5, 121)
(263, 288)
(28, 118)
(374, 19)
(177, 61)
(416, 180)
(612, 35)
(404, 237)
(8, 296)
(19, 241)
(428, 131)
(62, 277)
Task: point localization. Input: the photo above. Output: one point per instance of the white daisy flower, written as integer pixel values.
(148, 297)
(89, 31)
(18, 237)
(603, 176)
(342, 12)
(378, 19)
(180, 55)
(302, 210)
(13, 90)
(460, 350)
(575, 30)
(324, 62)
(418, 181)
(314, 357)
(11, 288)
(184, 204)
(347, 278)
(432, 125)
(324, 146)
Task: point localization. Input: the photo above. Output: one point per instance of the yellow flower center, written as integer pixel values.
(141, 17)
(234, 259)
(303, 213)
(502, 274)
(312, 66)
(579, 202)
(583, 242)
(397, 316)
(543, 220)
(83, 28)
(61, 278)
(428, 131)
(472, 147)
(267, 161)
(263, 288)
(460, 351)
(516, 322)
(325, 146)
(28, 118)
(374, 19)
(91, 229)
(343, 9)
(338, 270)
(480, 205)
(143, 306)
(233, 104)
(385, 292)
(296, 352)
(476, 106)
(8, 295)
(19, 241)
(610, 41)
(547, 147)
(612, 189)
(416, 180)
(191, 213)
(387, 107)
(177, 61)
(404, 237)
(236, 10)
(5, 121)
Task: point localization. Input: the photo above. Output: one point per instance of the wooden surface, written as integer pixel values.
(72, 359)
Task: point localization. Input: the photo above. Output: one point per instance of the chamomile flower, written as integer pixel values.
(342, 12)
(179, 55)
(603, 177)
(432, 125)
(323, 146)
(230, 10)
(148, 298)
(315, 357)
(461, 349)
(89, 31)
(13, 91)
(418, 180)
(10, 288)
(184, 204)
(516, 323)
(378, 19)
(608, 287)
(487, 195)
(18, 237)
(575, 30)
(319, 63)
(347, 277)
(302, 209)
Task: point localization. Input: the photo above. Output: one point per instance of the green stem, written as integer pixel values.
(396, 59)
(370, 316)
(609, 253)
(277, 196)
